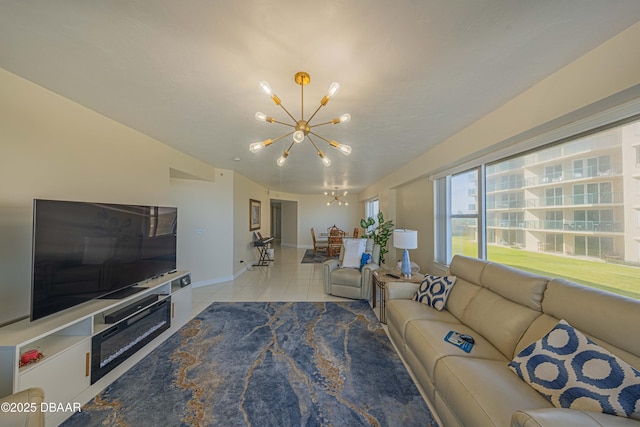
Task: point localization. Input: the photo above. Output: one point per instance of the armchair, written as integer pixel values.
(351, 282)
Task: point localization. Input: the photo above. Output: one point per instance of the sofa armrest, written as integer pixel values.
(370, 268)
(34, 417)
(401, 290)
(558, 417)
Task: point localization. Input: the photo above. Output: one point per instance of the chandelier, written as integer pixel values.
(302, 128)
(335, 198)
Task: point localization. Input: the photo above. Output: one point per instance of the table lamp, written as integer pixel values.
(405, 239)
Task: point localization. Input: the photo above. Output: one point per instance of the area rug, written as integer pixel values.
(266, 364)
(317, 258)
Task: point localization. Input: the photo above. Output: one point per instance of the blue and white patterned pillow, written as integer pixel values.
(434, 290)
(571, 371)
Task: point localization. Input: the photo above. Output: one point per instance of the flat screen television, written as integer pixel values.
(83, 251)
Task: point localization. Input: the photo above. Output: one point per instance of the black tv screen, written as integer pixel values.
(83, 250)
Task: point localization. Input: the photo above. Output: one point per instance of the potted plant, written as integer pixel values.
(380, 234)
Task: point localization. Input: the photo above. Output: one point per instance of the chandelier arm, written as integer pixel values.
(283, 123)
(314, 114)
(280, 137)
(322, 124)
(289, 149)
(322, 138)
(288, 113)
(314, 144)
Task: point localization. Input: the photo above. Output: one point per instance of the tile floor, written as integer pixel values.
(285, 279)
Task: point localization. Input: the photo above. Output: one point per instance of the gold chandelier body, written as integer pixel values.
(335, 197)
(301, 128)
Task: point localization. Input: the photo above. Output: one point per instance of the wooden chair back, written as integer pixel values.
(335, 241)
(318, 246)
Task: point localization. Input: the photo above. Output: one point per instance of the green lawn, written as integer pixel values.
(621, 279)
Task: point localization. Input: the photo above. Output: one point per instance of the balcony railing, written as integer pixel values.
(560, 225)
(595, 226)
(559, 201)
(570, 175)
(576, 199)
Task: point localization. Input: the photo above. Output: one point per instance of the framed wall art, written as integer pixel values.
(254, 214)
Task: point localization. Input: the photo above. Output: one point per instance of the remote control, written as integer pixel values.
(395, 276)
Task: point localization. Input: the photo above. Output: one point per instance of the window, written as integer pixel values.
(552, 173)
(372, 207)
(464, 213)
(553, 220)
(591, 194)
(553, 211)
(554, 243)
(578, 169)
(553, 196)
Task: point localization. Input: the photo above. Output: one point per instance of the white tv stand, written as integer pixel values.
(65, 341)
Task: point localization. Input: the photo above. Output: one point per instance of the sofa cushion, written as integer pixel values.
(401, 311)
(460, 296)
(434, 290)
(501, 321)
(559, 417)
(483, 392)
(467, 268)
(515, 285)
(617, 316)
(573, 372)
(426, 338)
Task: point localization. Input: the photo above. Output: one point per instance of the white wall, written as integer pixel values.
(603, 78)
(413, 202)
(54, 148)
(244, 254)
(312, 211)
(204, 235)
(289, 224)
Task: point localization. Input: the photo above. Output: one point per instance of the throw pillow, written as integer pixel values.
(572, 371)
(434, 290)
(353, 250)
(366, 259)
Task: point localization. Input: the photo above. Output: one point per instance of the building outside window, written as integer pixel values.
(568, 210)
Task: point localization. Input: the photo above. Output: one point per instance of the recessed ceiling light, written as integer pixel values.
(236, 159)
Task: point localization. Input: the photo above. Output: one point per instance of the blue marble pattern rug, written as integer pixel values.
(266, 364)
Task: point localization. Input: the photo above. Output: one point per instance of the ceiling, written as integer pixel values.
(412, 72)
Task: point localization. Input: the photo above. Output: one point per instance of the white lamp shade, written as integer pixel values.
(405, 239)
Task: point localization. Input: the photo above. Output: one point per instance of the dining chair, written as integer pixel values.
(335, 241)
(319, 245)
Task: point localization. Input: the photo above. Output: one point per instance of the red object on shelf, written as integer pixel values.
(29, 356)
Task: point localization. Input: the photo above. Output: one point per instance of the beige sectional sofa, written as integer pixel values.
(504, 310)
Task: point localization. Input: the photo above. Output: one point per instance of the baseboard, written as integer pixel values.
(201, 283)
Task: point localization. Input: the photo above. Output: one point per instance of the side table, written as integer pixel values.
(380, 280)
